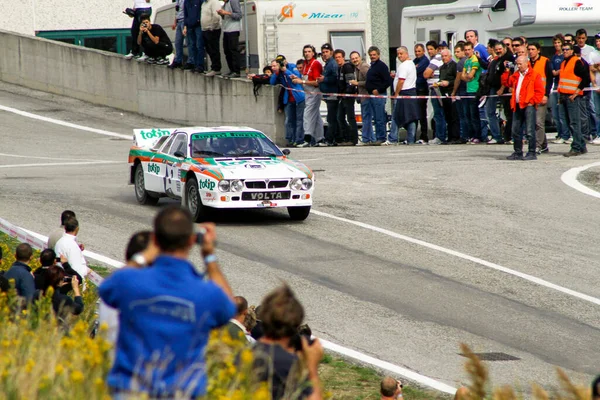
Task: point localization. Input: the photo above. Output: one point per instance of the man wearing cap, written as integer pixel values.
(328, 84)
(294, 100)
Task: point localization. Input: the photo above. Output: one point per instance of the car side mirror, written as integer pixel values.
(286, 152)
(179, 154)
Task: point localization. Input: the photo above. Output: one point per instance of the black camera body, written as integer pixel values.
(296, 341)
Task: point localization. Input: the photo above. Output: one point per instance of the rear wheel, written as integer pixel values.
(142, 196)
(193, 201)
(299, 213)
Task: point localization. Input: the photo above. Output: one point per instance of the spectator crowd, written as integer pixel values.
(201, 23)
(504, 92)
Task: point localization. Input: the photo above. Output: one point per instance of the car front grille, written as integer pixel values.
(267, 184)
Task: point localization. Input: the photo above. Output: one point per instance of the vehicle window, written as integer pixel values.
(233, 144)
(348, 41)
(167, 144)
(179, 144)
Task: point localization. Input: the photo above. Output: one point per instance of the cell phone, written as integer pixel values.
(200, 232)
(67, 279)
(57, 259)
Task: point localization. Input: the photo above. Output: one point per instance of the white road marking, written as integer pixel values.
(43, 158)
(467, 257)
(570, 178)
(64, 123)
(406, 373)
(60, 164)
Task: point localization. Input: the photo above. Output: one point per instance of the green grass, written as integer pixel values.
(349, 381)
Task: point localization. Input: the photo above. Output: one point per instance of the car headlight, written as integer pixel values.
(296, 184)
(224, 186)
(236, 186)
(307, 184)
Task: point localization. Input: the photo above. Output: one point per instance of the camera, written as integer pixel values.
(200, 232)
(296, 341)
(67, 279)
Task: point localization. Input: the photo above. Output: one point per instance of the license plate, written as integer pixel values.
(259, 196)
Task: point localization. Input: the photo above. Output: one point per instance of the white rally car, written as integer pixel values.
(224, 167)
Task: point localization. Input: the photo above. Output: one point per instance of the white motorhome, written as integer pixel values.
(284, 27)
(538, 20)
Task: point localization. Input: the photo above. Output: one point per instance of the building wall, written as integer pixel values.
(395, 16)
(30, 16)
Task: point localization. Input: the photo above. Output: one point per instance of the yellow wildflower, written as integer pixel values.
(77, 376)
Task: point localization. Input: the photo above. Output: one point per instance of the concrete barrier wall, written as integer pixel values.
(108, 79)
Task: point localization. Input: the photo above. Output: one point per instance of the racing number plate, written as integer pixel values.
(279, 195)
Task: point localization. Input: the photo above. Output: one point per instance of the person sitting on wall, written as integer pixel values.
(153, 38)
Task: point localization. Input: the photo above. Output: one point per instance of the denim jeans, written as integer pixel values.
(472, 115)
(411, 132)
(596, 96)
(366, 111)
(570, 111)
(461, 108)
(196, 46)
(490, 109)
(179, 43)
(593, 118)
(333, 130)
(294, 122)
(347, 120)
(523, 118)
(540, 126)
(441, 131)
(393, 135)
(483, 123)
(559, 122)
(508, 114)
(380, 118)
(585, 116)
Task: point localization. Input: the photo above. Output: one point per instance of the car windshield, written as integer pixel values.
(233, 144)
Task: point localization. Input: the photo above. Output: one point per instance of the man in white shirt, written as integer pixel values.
(67, 246)
(406, 112)
(56, 234)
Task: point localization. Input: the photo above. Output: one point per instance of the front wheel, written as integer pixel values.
(193, 202)
(141, 194)
(299, 213)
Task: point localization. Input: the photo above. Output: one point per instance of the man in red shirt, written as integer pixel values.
(311, 70)
(528, 93)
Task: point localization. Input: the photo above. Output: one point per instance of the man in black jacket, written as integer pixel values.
(446, 85)
(502, 59)
(155, 41)
(378, 82)
(345, 115)
(21, 272)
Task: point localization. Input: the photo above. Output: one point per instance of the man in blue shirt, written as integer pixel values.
(21, 272)
(167, 312)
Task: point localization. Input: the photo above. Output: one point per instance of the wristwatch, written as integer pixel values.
(211, 258)
(139, 259)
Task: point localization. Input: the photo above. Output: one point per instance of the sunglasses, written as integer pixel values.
(567, 49)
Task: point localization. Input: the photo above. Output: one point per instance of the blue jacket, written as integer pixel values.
(285, 79)
(421, 63)
(330, 83)
(24, 282)
(166, 313)
(191, 13)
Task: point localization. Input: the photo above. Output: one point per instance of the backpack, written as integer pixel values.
(258, 81)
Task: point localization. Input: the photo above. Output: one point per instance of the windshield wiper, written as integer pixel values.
(208, 153)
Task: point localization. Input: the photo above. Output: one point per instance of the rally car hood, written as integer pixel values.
(254, 167)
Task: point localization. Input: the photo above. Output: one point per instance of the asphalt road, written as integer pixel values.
(398, 301)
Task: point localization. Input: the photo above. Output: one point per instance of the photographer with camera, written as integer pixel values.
(140, 7)
(277, 354)
(390, 389)
(62, 304)
(167, 312)
(153, 38)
